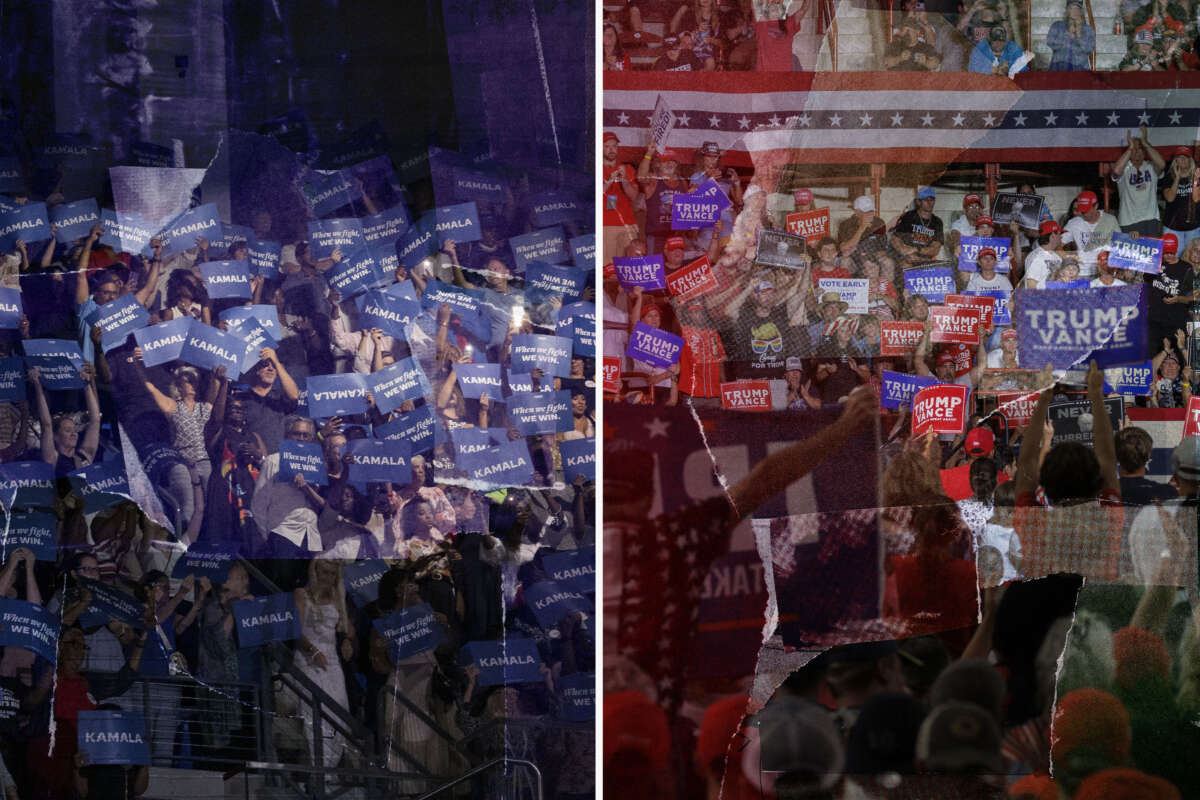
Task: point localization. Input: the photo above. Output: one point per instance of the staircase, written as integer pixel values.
(861, 36)
(1110, 47)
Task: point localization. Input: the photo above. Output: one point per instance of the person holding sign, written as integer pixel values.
(60, 443)
(985, 279)
(1169, 294)
(951, 357)
(655, 637)
(1045, 258)
(660, 182)
(1079, 528)
(286, 512)
(107, 288)
(1173, 375)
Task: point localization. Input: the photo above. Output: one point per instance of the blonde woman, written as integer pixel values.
(1181, 193)
(326, 642)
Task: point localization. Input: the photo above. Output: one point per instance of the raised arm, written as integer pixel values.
(166, 404)
(49, 453)
(146, 294)
(1105, 446)
(286, 383)
(783, 467)
(91, 434)
(81, 266)
(1152, 152)
(1031, 445)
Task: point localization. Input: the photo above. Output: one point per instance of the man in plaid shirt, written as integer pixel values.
(1069, 515)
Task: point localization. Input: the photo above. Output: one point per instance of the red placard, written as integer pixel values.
(986, 305)
(694, 280)
(612, 374)
(812, 225)
(954, 325)
(940, 409)
(1191, 418)
(900, 338)
(746, 396)
(1017, 407)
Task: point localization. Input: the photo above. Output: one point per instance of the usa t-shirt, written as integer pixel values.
(1137, 188)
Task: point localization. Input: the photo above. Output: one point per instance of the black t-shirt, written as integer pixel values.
(1174, 280)
(264, 415)
(687, 62)
(758, 347)
(1182, 213)
(1142, 491)
(110, 781)
(917, 232)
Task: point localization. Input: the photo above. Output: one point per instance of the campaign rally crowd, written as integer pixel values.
(987, 352)
(989, 37)
(311, 488)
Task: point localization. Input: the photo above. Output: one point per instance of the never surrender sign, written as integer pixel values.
(1070, 326)
(940, 409)
(746, 396)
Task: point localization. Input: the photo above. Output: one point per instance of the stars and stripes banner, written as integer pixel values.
(849, 117)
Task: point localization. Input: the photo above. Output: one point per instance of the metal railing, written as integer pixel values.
(537, 775)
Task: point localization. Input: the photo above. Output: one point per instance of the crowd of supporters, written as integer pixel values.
(196, 454)
(986, 535)
(983, 36)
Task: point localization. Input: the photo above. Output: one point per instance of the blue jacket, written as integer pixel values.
(982, 56)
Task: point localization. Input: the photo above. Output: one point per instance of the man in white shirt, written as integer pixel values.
(1137, 186)
(1045, 259)
(985, 279)
(965, 224)
(286, 512)
(1089, 230)
(1108, 275)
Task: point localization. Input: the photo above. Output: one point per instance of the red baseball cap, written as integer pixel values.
(1091, 718)
(980, 442)
(1008, 333)
(610, 270)
(803, 195)
(1048, 227)
(1170, 243)
(669, 155)
(675, 243)
(987, 251)
(1125, 783)
(609, 135)
(945, 357)
(1181, 150)
(1086, 201)
(1102, 257)
(632, 722)
(984, 219)
(972, 199)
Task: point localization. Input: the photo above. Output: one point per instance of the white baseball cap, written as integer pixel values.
(865, 204)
